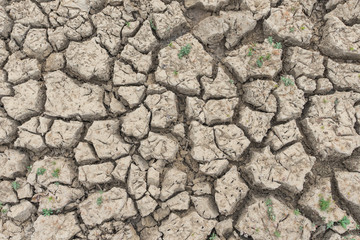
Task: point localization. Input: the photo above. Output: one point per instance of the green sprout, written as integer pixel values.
(278, 45)
(4, 211)
(302, 28)
(29, 168)
(277, 233)
(268, 56)
(336, 102)
(260, 61)
(47, 212)
(176, 72)
(291, 29)
(324, 204)
(40, 171)
(352, 49)
(231, 81)
(170, 44)
(213, 236)
(55, 173)
(270, 210)
(324, 100)
(287, 81)
(297, 212)
(57, 183)
(329, 224)
(270, 40)
(50, 198)
(99, 201)
(184, 51)
(128, 24)
(152, 25)
(344, 222)
(15, 185)
(250, 53)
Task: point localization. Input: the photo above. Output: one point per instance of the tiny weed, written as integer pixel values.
(291, 29)
(278, 45)
(15, 185)
(55, 173)
(40, 171)
(259, 62)
(128, 24)
(250, 53)
(176, 72)
(287, 81)
(212, 236)
(344, 222)
(324, 100)
(170, 44)
(357, 227)
(359, 76)
(50, 198)
(270, 210)
(54, 163)
(4, 211)
(302, 28)
(277, 233)
(329, 225)
(99, 201)
(47, 212)
(231, 81)
(184, 51)
(270, 40)
(152, 25)
(297, 212)
(336, 102)
(57, 183)
(29, 168)
(322, 127)
(1, 204)
(352, 49)
(301, 228)
(268, 56)
(324, 204)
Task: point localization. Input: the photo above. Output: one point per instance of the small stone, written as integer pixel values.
(343, 75)
(132, 95)
(230, 189)
(283, 134)
(121, 169)
(54, 62)
(307, 85)
(84, 153)
(153, 177)
(96, 173)
(159, 146)
(124, 75)
(64, 134)
(136, 182)
(225, 227)
(211, 30)
(180, 202)
(323, 86)
(144, 41)
(8, 130)
(136, 123)
(146, 205)
(202, 188)
(174, 181)
(207, 5)
(205, 206)
(214, 168)
(141, 62)
(7, 194)
(22, 211)
(13, 163)
(36, 44)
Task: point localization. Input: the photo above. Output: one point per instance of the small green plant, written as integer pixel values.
(324, 100)
(128, 24)
(29, 168)
(291, 29)
(260, 61)
(176, 72)
(55, 173)
(212, 236)
(352, 49)
(359, 76)
(270, 40)
(4, 210)
(50, 198)
(250, 53)
(297, 212)
(268, 56)
(184, 51)
(344, 222)
(287, 81)
(357, 227)
(47, 212)
(15, 185)
(270, 210)
(302, 28)
(231, 81)
(278, 45)
(329, 224)
(54, 163)
(170, 44)
(99, 201)
(152, 25)
(301, 228)
(336, 102)
(324, 204)
(57, 183)
(40, 171)
(277, 233)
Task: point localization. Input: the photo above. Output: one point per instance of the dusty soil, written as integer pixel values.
(188, 119)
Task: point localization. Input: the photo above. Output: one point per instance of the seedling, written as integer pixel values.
(99, 201)
(57, 183)
(40, 171)
(302, 28)
(54, 163)
(352, 49)
(270, 40)
(212, 236)
(357, 227)
(176, 72)
(128, 24)
(270, 210)
(50, 198)
(287, 81)
(359, 76)
(55, 173)
(329, 224)
(15, 185)
(278, 45)
(324, 204)
(152, 25)
(260, 61)
(324, 100)
(171, 44)
(297, 212)
(29, 168)
(268, 56)
(277, 233)
(301, 228)
(344, 222)
(336, 102)
(47, 212)
(250, 53)
(292, 29)
(4, 211)
(184, 51)
(231, 81)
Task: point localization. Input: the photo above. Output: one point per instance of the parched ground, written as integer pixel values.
(174, 120)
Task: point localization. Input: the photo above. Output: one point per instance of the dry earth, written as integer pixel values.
(188, 119)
